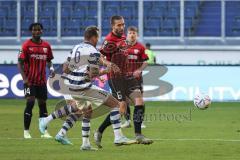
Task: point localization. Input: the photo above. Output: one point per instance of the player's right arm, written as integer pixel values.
(22, 56)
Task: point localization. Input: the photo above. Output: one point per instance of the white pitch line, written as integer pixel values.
(185, 139)
(158, 139)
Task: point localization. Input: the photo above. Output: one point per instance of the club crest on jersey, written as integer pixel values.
(45, 50)
(31, 49)
(136, 51)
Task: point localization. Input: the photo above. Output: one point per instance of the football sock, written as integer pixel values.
(63, 111)
(85, 131)
(28, 114)
(70, 121)
(42, 109)
(105, 124)
(115, 120)
(138, 116)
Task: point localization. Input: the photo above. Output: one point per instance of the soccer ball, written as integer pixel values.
(202, 101)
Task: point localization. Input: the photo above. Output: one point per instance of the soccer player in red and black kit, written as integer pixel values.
(33, 58)
(110, 49)
(136, 63)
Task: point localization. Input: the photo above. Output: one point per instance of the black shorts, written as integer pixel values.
(39, 92)
(123, 87)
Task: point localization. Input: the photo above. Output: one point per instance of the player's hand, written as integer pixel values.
(113, 67)
(25, 82)
(102, 79)
(137, 73)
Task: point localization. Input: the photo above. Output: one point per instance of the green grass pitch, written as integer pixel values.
(180, 131)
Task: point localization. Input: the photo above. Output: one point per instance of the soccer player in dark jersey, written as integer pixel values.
(137, 62)
(135, 53)
(110, 49)
(33, 58)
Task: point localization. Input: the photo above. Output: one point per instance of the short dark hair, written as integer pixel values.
(91, 31)
(115, 17)
(35, 24)
(132, 28)
(148, 45)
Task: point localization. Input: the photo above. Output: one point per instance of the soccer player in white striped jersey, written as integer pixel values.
(83, 66)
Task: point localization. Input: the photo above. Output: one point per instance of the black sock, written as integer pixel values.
(42, 109)
(128, 114)
(105, 124)
(138, 118)
(28, 114)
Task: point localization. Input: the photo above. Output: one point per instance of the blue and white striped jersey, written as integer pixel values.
(82, 57)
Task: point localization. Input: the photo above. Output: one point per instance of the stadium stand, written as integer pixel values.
(128, 9)
(160, 18)
(27, 16)
(233, 18)
(8, 16)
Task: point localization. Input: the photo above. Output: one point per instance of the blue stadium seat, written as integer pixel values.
(10, 26)
(173, 13)
(190, 12)
(169, 24)
(158, 13)
(127, 12)
(160, 4)
(150, 32)
(152, 24)
(3, 12)
(65, 12)
(166, 32)
(132, 23)
(79, 13)
(92, 13)
(109, 12)
(89, 22)
(48, 12)
(188, 23)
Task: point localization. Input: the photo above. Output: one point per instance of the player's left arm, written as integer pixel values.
(109, 65)
(49, 62)
(144, 59)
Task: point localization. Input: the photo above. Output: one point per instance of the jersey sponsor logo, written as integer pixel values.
(45, 50)
(132, 57)
(40, 57)
(136, 51)
(31, 49)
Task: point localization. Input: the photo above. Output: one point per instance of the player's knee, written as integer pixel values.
(139, 101)
(42, 108)
(29, 107)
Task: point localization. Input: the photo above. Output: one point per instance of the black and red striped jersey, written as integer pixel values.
(35, 57)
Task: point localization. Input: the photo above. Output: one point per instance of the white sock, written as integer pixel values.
(62, 132)
(85, 131)
(116, 123)
(48, 119)
(85, 141)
